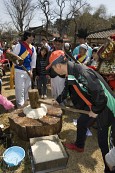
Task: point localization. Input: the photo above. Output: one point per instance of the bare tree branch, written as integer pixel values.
(21, 12)
(59, 11)
(74, 13)
(45, 6)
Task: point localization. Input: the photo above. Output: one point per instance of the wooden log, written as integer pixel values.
(34, 98)
(27, 128)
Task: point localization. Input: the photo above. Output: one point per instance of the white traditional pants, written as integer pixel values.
(22, 85)
(57, 86)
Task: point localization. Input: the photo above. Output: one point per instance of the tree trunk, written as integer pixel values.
(75, 34)
(27, 128)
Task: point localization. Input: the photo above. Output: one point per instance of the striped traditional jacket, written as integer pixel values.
(25, 53)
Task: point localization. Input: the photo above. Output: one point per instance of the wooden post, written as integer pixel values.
(34, 98)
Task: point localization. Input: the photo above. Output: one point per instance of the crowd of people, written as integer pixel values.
(86, 88)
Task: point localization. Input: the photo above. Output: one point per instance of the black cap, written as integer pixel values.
(58, 39)
(82, 33)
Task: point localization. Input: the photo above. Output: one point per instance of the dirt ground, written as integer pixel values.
(88, 162)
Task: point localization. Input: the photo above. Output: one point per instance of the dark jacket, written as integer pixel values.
(41, 64)
(92, 86)
(76, 100)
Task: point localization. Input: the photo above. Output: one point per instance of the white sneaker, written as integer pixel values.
(42, 96)
(45, 96)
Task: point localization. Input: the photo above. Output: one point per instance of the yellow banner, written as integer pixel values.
(81, 59)
(25, 54)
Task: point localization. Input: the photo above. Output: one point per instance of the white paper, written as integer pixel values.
(88, 133)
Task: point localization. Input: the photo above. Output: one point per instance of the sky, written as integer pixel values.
(109, 4)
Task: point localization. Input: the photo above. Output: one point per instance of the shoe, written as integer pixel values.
(45, 96)
(74, 147)
(42, 96)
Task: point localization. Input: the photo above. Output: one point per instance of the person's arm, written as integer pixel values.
(33, 62)
(64, 93)
(34, 55)
(16, 49)
(6, 103)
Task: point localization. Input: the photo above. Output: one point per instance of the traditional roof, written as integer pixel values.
(39, 30)
(102, 34)
(37, 27)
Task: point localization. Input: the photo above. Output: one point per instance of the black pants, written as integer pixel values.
(82, 125)
(104, 121)
(42, 85)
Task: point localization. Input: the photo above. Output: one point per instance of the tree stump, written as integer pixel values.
(34, 98)
(27, 128)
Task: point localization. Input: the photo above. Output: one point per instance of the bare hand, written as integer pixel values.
(20, 61)
(92, 114)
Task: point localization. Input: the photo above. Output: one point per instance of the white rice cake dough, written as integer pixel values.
(46, 150)
(35, 113)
